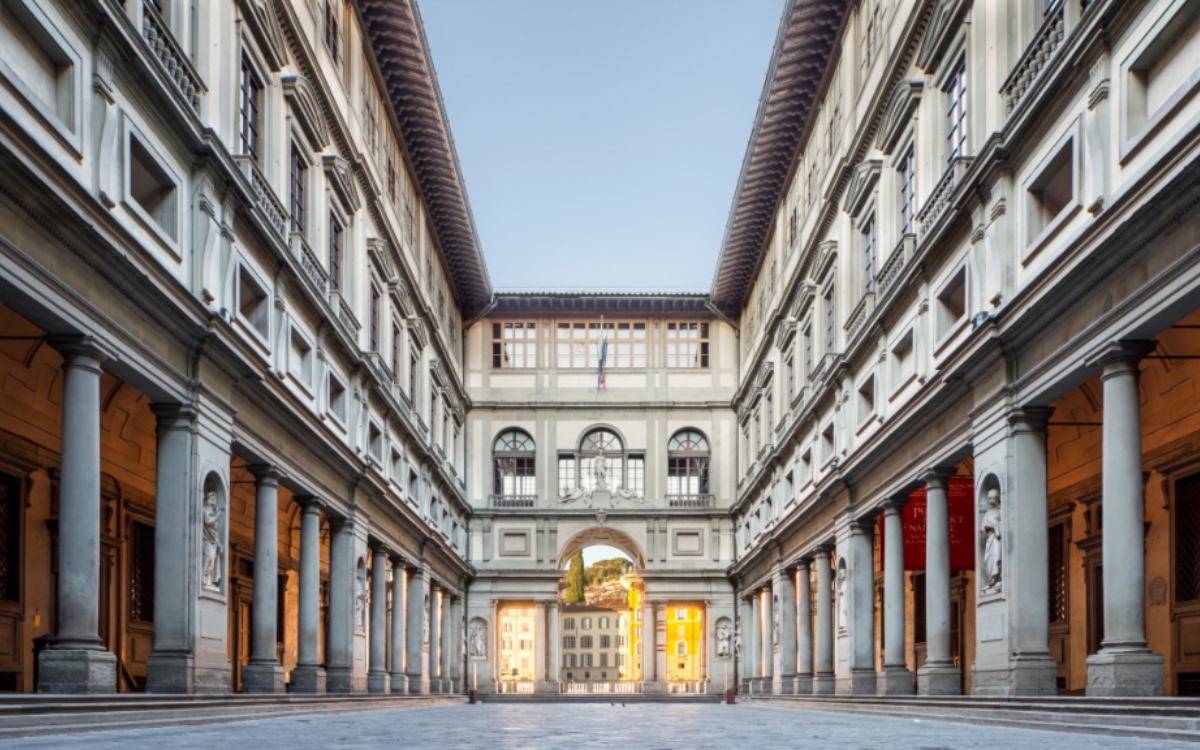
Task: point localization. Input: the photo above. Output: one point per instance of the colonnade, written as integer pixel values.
(78, 661)
(800, 657)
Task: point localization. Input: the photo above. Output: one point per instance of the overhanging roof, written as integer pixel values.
(394, 30)
(602, 303)
(803, 48)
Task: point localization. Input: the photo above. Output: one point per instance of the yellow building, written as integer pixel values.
(517, 657)
(634, 621)
(685, 625)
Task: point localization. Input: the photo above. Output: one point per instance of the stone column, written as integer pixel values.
(755, 643)
(541, 635)
(660, 645)
(767, 657)
(823, 683)
(398, 680)
(1124, 666)
(784, 588)
(171, 666)
(447, 649)
(861, 590)
(377, 676)
(418, 586)
(804, 628)
(938, 676)
(339, 670)
(78, 662)
(264, 674)
(435, 638)
(648, 654)
(896, 678)
(456, 661)
(309, 675)
(555, 644)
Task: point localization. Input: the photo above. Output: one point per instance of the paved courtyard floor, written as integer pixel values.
(549, 725)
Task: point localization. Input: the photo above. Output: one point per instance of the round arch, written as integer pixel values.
(602, 535)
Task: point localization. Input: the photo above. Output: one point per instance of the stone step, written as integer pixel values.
(1174, 707)
(1146, 722)
(101, 713)
(600, 698)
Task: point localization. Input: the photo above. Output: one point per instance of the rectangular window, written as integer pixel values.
(629, 348)
(514, 345)
(585, 641)
(331, 28)
(808, 352)
(956, 113)
(151, 187)
(868, 256)
(606, 641)
(373, 317)
(791, 378)
(337, 399)
(687, 345)
(572, 346)
(566, 474)
(300, 358)
(413, 361)
(829, 320)
(636, 475)
(335, 253)
(1187, 539)
(10, 538)
(299, 174)
(395, 354)
(250, 112)
(568, 641)
(905, 171)
(141, 572)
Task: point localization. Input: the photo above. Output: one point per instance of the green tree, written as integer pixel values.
(606, 570)
(575, 580)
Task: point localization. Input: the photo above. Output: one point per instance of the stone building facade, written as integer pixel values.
(266, 425)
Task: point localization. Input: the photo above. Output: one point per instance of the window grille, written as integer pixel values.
(513, 457)
(1187, 539)
(335, 253)
(905, 175)
(250, 111)
(868, 240)
(141, 572)
(956, 113)
(514, 345)
(1058, 573)
(687, 345)
(299, 173)
(10, 538)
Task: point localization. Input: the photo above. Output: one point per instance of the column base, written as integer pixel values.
(377, 682)
(1024, 675)
(894, 681)
(546, 687)
(824, 684)
(342, 681)
(803, 684)
(398, 683)
(263, 679)
(785, 685)
(859, 682)
(417, 686)
(654, 687)
(1125, 674)
(938, 679)
(77, 672)
(179, 674)
(308, 680)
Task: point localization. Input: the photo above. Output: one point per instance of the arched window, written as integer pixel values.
(600, 446)
(513, 459)
(687, 464)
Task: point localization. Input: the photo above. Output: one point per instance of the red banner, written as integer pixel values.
(961, 497)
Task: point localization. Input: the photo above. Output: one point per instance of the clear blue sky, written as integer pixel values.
(601, 141)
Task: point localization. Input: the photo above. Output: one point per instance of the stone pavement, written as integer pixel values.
(548, 725)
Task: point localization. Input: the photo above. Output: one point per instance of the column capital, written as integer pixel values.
(894, 505)
(938, 476)
(1122, 356)
(1030, 418)
(80, 350)
(398, 563)
(170, 415)
(310, 504)
(863, 525)
(804, 561)
(265, 474)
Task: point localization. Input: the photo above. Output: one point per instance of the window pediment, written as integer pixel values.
(826, 254)
(378, 250)
(862, 185)
(302, 99)
(416, 328)
(260, 19)
(899, 112)
(337, 171)
(940, 32)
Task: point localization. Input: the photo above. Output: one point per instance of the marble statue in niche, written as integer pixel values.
(737, 640)
(425, 623)
(993, 553)
(478, 642)
(211, 528)
(723, 638)
(360, 597)
(843, 602)
(775, 620)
